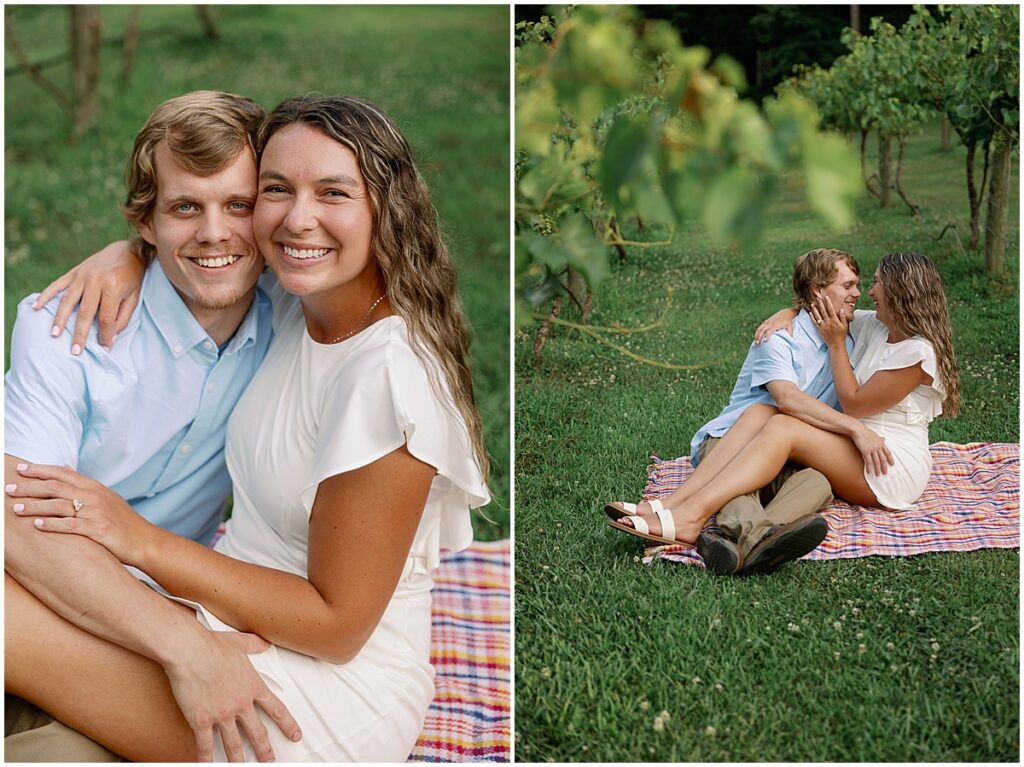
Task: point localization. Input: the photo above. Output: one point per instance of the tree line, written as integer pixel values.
(961, 62)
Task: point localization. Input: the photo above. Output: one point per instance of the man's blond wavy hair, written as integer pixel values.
(205, 131)
(816, 269)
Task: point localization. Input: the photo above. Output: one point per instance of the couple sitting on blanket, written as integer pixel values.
(773, 458)
(334, 391)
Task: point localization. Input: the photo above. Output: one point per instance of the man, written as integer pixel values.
(764, 529)
(148, 417)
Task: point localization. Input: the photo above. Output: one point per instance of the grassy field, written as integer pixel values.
(912, 659)
(441, 72)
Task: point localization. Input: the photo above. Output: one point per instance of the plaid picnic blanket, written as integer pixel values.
(470, 649)
(972, 501)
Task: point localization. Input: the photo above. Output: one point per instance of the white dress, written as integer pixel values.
(313, 411)
(905, 425)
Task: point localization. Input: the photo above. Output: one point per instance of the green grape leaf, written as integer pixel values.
(629, 141)
(582, 250)
(734, 205)
(833, 178)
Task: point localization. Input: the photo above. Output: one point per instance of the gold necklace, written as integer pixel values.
(362, 322)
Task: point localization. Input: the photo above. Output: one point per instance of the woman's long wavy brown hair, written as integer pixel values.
(917, 301)
(418, 272)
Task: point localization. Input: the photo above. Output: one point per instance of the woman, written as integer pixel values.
(355, 453)
(904, 375)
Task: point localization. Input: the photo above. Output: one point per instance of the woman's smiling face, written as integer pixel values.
(313, 220)
(877, 293)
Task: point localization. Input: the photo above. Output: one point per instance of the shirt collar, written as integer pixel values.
(806, 324)
(179, 328)
(249, 329)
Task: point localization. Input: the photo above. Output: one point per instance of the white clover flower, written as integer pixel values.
(710, 731)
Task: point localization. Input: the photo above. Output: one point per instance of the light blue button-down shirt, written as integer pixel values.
(801, 358)
(147, 418)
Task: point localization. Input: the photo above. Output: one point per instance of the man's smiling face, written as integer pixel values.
(843, 291)
(201, 227)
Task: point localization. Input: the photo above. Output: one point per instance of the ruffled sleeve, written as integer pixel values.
(908, 353)
(383, 399)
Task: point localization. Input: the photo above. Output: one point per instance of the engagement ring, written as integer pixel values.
(78, 506)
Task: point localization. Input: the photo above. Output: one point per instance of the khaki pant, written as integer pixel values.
(796, 492)
(32, 735)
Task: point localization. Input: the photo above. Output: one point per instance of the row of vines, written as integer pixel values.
(961, 62)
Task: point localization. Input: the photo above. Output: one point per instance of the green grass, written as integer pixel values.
(605, 643)
(441, 72)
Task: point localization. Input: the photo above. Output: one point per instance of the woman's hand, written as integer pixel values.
(63, 501)
(877, 457)
(831, 324)
(781, 320)
(108, 281)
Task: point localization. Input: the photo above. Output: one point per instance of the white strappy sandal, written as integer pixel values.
(619, 509)
(641, 529)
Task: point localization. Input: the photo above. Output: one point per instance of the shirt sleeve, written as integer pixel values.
(772, 360)
(46, 391)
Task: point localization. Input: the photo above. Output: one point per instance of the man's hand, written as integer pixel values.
(877, 457)
(215, 685)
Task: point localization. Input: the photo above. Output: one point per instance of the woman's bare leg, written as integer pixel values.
(783, 438)
(750, 422)
(114, 696)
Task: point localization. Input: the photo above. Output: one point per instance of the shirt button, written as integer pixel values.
(150, 495)
(185, 449)
(209, 389)
(177, 348)
(207, 345)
